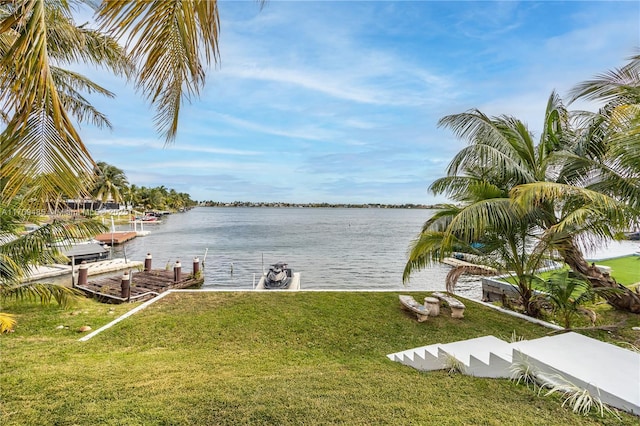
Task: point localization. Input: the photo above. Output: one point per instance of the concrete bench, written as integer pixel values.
(411, 305)
(456, 306)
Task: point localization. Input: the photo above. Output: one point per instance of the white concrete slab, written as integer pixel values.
(605, 369)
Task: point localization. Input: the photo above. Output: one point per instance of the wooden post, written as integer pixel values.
(196, 266)
(125, 287)
(147, 263)
(177, 272)
(83, 272)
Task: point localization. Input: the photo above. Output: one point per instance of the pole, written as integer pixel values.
(113, 228)
(73, 261)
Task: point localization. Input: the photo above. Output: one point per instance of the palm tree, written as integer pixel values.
(20, 253)
(172, 42)
(110, 183)
(40, 144)
(568, 294)
(575, 188)
(597, 194)
(501, 155)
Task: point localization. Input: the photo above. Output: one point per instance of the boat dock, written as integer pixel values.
(93, 268)
(117, 237)
(139, 286)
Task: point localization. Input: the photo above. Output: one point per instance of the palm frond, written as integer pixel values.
(172, 42)
(22, 253)
(70, 85)
(620, 84)
(43, 292)
(424, 250)
(37, 150)
(7, 322)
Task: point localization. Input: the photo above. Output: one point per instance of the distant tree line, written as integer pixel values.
(320, 205)
(109, 187)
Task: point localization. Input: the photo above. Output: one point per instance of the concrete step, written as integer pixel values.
(608, 372)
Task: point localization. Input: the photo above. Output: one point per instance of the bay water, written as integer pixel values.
(332, 248)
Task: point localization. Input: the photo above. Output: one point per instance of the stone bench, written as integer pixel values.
(456, 306)
(411, 305)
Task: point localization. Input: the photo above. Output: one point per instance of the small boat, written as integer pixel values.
(278, 277)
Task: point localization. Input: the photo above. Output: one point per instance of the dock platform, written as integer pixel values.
(143, 286)
(94, 268)
(117, 237)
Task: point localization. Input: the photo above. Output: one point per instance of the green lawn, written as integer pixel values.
(258, 358)
(626, 270)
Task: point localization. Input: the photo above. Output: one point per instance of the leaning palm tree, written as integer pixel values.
(596, 195)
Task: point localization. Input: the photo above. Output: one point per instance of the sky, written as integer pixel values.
(339, 102)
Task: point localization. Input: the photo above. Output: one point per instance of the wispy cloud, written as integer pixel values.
(158, 145)
(342, 99)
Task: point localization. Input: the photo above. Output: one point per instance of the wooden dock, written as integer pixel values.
(117, 237)
(143, 286)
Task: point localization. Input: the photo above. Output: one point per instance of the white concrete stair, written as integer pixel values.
(424, 358)
(609, 372)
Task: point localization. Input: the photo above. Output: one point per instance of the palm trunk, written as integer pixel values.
(624, 299)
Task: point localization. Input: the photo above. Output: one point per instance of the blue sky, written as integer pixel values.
(339, 101)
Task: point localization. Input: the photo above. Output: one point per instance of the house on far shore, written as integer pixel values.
(95, 205)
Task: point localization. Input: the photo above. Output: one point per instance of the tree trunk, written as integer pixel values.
(624, 299)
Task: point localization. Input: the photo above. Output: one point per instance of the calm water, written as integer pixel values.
(331, 248)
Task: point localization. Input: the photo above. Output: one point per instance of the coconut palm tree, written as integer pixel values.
(172, 43)
(40, 148)
(596, 195)
(502, 154)
(110, 183)
(572, 188)
(41, 98)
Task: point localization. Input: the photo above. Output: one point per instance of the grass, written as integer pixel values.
(626, 270)
(257, 358)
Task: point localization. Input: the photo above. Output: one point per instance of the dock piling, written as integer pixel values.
(125, 286)
(196, 266)
(177, 272)
(83, 273)
(147, 262)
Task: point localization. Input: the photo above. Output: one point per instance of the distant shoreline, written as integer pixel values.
(323, 205)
